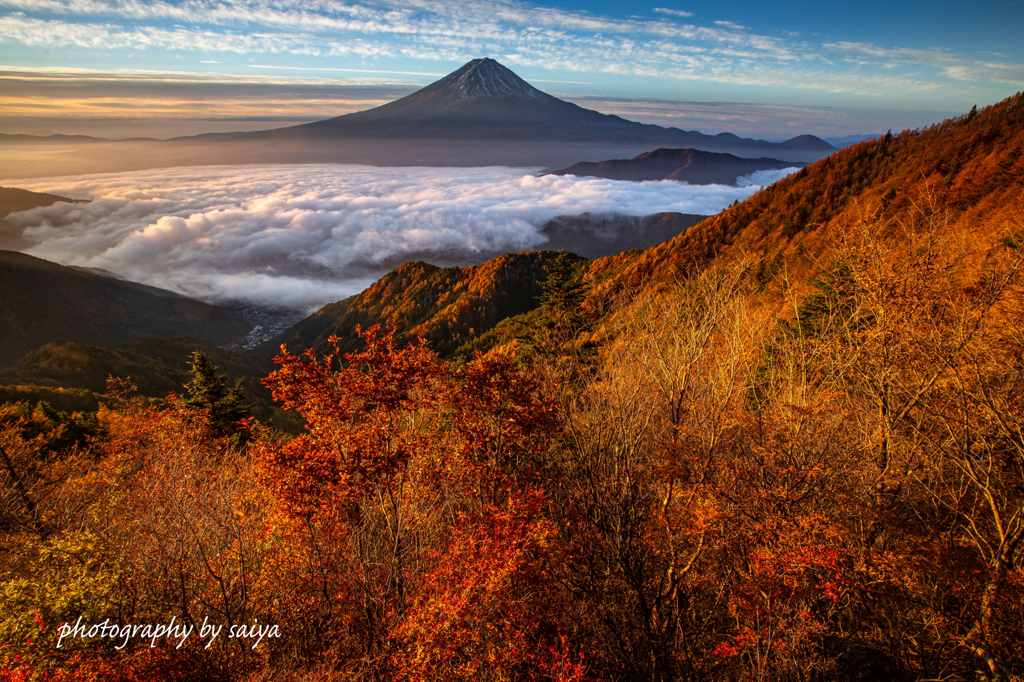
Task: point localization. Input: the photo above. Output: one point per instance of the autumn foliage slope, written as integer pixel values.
(673, 482)
(972, 167)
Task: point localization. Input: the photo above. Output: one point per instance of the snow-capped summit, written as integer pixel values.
(483, 78)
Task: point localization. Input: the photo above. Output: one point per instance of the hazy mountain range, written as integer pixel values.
(683, 165)
(482, 114)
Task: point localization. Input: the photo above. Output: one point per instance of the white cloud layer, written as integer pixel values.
(302, 236)
(763, 178)
(673, 12)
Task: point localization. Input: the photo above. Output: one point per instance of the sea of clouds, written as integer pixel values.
(300, 236)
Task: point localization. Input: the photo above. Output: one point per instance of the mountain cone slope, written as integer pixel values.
(484, 100)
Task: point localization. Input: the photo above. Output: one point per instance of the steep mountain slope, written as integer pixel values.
(966, 172)
(445, 306)
(483, 100)
(43, 301)
(683, 165)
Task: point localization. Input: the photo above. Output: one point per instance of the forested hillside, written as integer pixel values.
(156, 367)
(44, 301)
(969, 170)
(595, 236)
(787, 445)
(446, 306)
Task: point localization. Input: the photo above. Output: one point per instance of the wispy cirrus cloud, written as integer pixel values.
(1001, 73)
(951, 64)
(58, 33)
(519, 33)
(673, 12)
(669, 45)
(932, 56)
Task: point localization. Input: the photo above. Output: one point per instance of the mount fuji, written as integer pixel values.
(482, 114)
(483, 100)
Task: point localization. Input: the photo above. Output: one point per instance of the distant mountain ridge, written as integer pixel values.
(683, 165)
(606, 234)
(43, 301)
(849, 140)
(484, 100)
(13, 200)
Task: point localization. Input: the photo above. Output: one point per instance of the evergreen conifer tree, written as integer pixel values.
(562, 320)
(208, 391)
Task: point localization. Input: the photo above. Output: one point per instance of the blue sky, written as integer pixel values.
(913, 62)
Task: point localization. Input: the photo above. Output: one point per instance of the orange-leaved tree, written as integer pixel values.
(413, 497)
